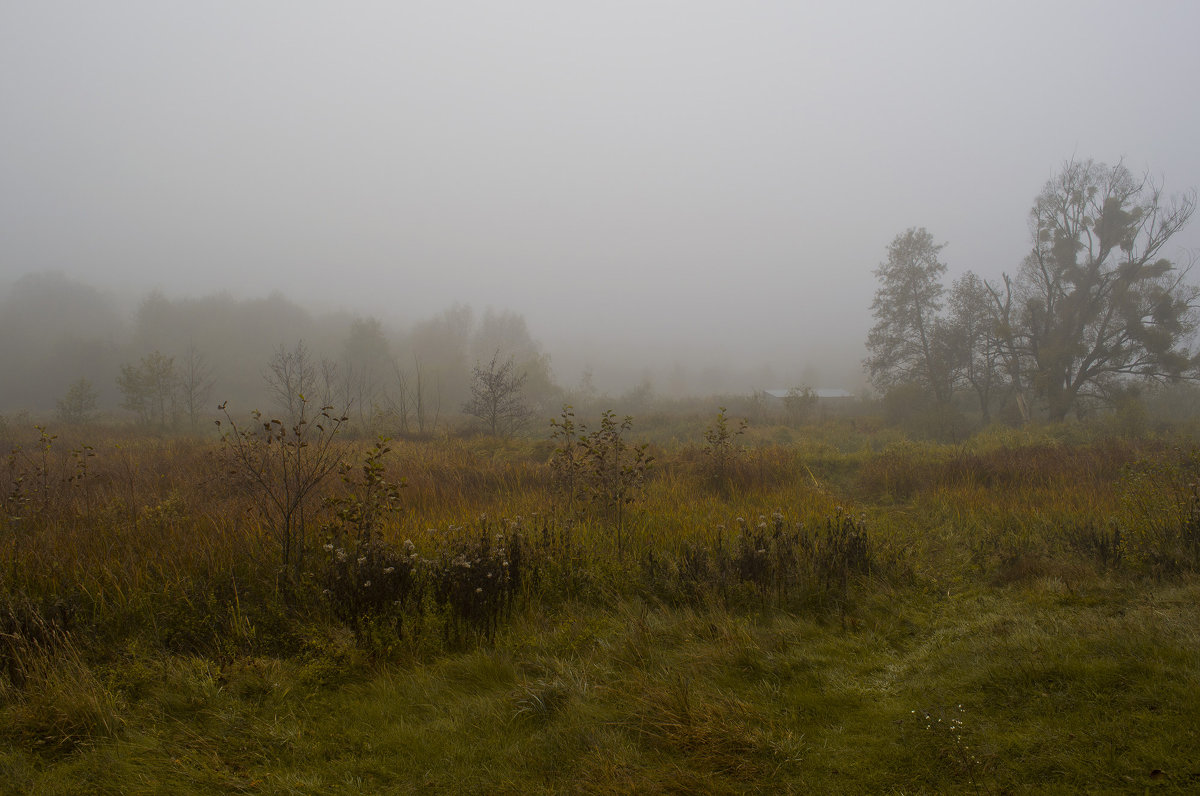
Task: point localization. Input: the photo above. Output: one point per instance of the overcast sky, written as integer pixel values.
(715, 177)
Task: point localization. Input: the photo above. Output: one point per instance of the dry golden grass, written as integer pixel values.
(719, 645)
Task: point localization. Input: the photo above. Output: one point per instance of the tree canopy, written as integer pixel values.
(497, 397)
(906, 345)
(1094, 306)
(1096, 300)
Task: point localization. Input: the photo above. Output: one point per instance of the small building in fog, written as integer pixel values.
(823, 394)
(797, 404)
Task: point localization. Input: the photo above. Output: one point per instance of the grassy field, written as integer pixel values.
(830, 609)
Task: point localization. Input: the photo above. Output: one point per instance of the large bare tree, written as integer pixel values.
(1096, 301)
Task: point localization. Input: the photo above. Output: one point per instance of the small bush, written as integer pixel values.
(367, 581)
(774, 560)
(1103, 544)
(1161, 498)
(371, 582)
(721, 454)
(475, 582)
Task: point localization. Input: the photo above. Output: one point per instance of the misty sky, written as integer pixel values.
(716, 177)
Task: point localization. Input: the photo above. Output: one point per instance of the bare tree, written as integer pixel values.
(1011, 354)
(366, 356)
(428, 409)
(974, 333)
(496, 397)
(330, 384)
(195, 384)
(1096, 302)
(283, 465)
(397, 398)
(291, 376)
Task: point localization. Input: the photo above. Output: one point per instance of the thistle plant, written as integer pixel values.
(476, 581)
(373, 583)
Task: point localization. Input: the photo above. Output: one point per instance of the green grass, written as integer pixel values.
(1092, 689)
(992, 646)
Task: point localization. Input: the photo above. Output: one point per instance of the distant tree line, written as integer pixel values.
(166, 363)
(1094, 310)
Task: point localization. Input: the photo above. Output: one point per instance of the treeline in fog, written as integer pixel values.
(76, 352)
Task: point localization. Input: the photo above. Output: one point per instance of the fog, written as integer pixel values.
(661, 189)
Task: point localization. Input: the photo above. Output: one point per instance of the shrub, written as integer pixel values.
(1161, 498)
(283, 467)
(368, 581)
(600, 467)
(774, 559)
(613, 470)
(722, 456)
(475, 581)
(371, 582)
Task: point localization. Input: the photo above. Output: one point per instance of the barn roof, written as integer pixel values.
(821, 392)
